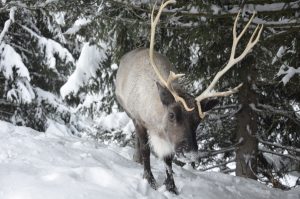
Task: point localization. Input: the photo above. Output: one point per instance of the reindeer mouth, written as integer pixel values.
(184, 151)
(187, 157)
(181, 148)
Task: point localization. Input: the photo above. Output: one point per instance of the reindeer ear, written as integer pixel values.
(165, 95)
(206, 105)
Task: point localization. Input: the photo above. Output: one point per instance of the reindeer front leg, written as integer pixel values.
(145, 153)
(137, 157)
(169, 182)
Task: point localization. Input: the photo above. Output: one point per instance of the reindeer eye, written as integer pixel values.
(171, 116)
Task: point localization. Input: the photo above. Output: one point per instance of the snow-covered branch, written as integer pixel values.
(78, 24)
(86, 67)
(51, 48)
(217, 11)
(11, 61)
(20, 4)
(8, 23)
(288, 72)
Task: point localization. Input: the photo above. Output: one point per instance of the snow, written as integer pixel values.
(21, 93)
(281, 51)
(8, 23)
(78, 24)
(91, 100)
(288, 72)
(55, 164)
(256, 7)
(10, 59)
(195, 53)
(216, 9)
(60, 18)
(115, 121)
(86, 67)
(271, 7)
(51, 49)
(21, 90)
(43, 96)
(114, 66)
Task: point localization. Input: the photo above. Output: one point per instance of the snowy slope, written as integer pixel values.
(57, 165)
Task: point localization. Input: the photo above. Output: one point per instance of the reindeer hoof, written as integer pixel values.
(150, 179)
(170, 186)
(137, 158)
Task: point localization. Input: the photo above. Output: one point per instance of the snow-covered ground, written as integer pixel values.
(57, 165)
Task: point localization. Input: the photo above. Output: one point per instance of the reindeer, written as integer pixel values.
(165, 116)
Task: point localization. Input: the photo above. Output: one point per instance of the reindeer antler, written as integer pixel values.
(172, 75)
(207, 93)
(232, 61)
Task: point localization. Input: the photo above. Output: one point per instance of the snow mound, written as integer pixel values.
(55, 164)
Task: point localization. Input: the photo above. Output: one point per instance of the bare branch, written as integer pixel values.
(272, 110)
(213, 153)
(224, 150)
(218, 165)
(229, 106)
(280, 154)
(230, 114)
(279, 145)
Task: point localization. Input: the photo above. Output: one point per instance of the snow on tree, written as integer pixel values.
(86, 67)
(13, 68)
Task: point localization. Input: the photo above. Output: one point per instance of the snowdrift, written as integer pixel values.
(57, 165)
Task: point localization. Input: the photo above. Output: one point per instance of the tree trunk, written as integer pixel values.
(246, 153)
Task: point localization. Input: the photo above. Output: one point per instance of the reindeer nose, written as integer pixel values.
(181, 147)
(191, 147)
(186, 146)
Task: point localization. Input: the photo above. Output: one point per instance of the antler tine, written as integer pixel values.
(215, 94)
(207, 93)
(154, 21)
(172, 75)
(152, 13)
(177, 98)
(251, 43)
(247, 25)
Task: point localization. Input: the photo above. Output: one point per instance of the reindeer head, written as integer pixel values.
(179, 124)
